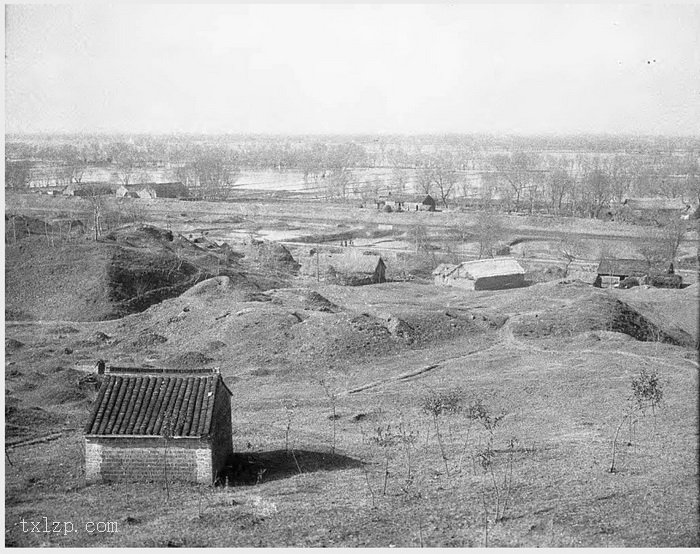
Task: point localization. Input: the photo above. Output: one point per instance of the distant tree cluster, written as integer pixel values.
(584, 176)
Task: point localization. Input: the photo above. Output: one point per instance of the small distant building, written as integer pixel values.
(169, 190)
(350, 267)
(153, 190)
(612, 271)
(654, 209)
(147, 192)
(136, 409)
(127, 191)
(406, 203)
(428, 203)
(487, 274)
(88, 189)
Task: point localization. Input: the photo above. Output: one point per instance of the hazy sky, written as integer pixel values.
(353, 68)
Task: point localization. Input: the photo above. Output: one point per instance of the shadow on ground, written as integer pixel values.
(256, 467)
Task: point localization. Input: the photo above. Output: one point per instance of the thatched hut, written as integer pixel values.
(487, 274)
(351, 268)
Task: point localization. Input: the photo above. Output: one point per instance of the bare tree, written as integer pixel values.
(127, 161)
(571, 249)
(418, 235)
(216, 172)
(424, 177)
(17, 173)
(399, 179)
(518, 171)
(659, 245)
(558, 185)
(97, 204)
(489, 230)
(596, 191)
(445, 178)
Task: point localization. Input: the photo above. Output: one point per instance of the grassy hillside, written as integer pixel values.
(124, 272)
(452, 410)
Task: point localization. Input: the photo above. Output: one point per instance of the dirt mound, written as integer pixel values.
(12, 344)
(214, 345)
(223, 285)
(303, 299)
(130, 270)
(27, 421)
(273, 256)
(64, 386)
(148, 339)
(397, 327)
(140, 236)
(189, 360)
(20, 226)
(595, 313)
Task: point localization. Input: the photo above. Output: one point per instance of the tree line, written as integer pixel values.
(512, 176)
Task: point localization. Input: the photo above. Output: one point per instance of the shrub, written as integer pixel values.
(629, 282)
(673, 281)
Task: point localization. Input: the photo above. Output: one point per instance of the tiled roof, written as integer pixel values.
(138, 404)
(623, 267)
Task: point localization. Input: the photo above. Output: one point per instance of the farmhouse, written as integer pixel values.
(153, 190)
(349, 267)
(169, 190)
(611, 272)
(145, 418)
(353, 269)
(128, 191)
(87, 189)
(488, 274)
(653, 209)
(406, 203)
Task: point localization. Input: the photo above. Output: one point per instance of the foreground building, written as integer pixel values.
(487, 274)
(143, 419)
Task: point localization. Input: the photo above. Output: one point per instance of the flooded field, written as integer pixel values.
(361, 180)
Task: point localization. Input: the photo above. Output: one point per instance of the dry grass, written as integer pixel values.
(562, 397)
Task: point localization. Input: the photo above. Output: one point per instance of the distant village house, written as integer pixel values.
(654, 209)
(153, 190)
(406, 203)
(88, 189)
(612, 271)
(347, 268)
(487, 274)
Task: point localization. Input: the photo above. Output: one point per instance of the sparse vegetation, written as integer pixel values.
(647, 394)
(317, 463)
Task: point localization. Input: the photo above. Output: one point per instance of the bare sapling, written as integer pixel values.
(408, 438)
(437, 404)
(289, 408)
(363, 463)
(332, 396)
(385, 438)
(500, 486)
(646, 394)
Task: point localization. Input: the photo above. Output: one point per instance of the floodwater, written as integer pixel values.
(362, 181)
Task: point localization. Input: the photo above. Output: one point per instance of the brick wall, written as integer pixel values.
(109, 459)
(221, 439)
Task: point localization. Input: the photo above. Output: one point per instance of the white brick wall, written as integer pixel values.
(143, 459)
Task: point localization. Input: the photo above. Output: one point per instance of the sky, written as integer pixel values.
(353, 68)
